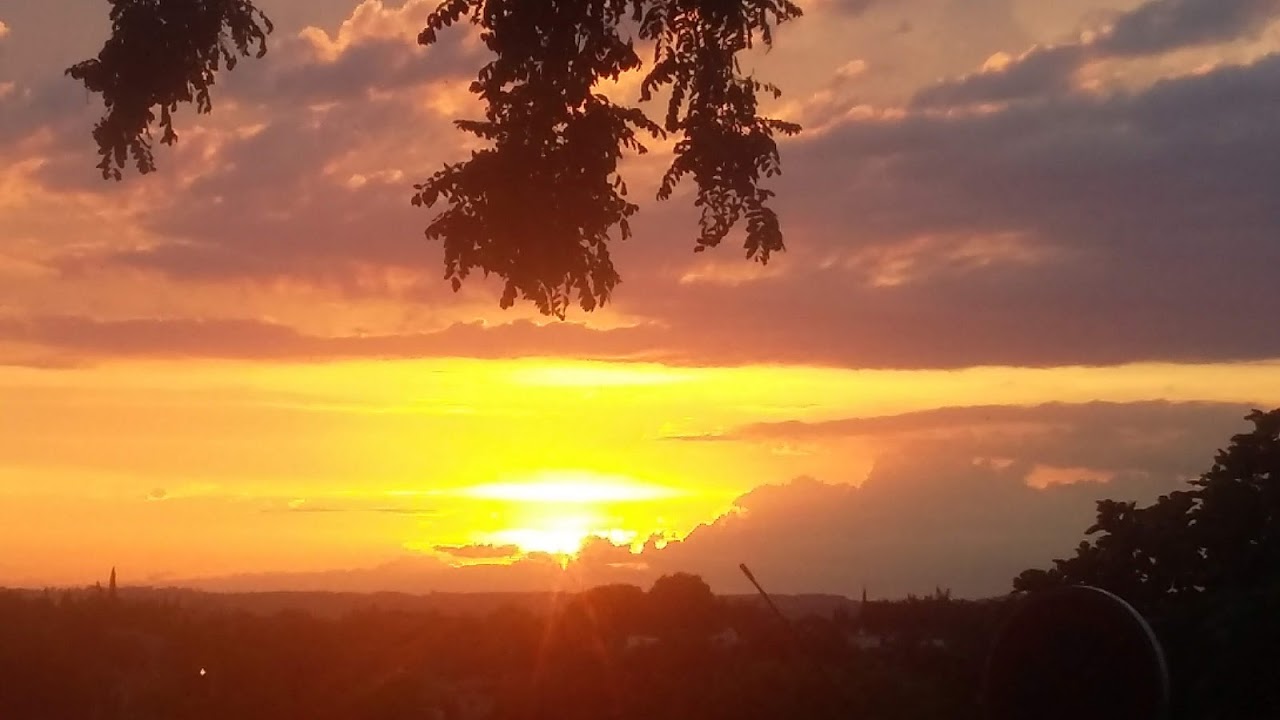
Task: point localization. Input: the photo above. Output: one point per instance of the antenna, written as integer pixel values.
(803, 653)
(768, 600)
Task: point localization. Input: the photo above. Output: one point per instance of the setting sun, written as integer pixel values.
(555, 512)
(563, 539)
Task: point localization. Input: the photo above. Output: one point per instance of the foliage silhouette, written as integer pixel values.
(1204, 566)
(683, 609)
(539, 206)
(162, 53)
(1223, 535)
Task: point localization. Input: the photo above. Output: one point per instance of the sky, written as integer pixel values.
(1030, 264)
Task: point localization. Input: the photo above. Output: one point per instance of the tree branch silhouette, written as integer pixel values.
(541, 204)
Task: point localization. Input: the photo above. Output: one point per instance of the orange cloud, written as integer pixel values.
(371, 20)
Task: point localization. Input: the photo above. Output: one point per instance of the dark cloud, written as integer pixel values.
(85, 339)
(1163, 25)
(1087, 230)
(1080, 229)
(1040, 71)
(52, 105)
(293, 74)
(851, 7)
(478, 552)
(1152, 438)
(1152, 415)
(916, 523)
(373, 80)
(1155, 27)
(274, 208)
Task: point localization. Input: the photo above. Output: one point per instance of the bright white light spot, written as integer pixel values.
(570, 488)
(563, 540)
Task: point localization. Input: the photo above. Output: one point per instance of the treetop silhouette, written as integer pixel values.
(162, 53)
(1204, 565)
(1222, 535)
(540, 204)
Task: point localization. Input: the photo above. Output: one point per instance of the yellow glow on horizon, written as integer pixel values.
(598, 374)
(159, 457)
(562, 487)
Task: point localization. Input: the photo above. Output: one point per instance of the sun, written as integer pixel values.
(556, 513)
(562, 540)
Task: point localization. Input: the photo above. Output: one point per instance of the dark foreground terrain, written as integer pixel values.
(613, 652)
(674, 651)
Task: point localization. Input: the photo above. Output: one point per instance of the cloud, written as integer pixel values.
(84, 339)
(374, 51)
(1158, 414)
(1147, 438)
(849, 7)
(1088, 228)
(1162, 25)
(852, 69)
(478, 552)
(314, 192)
(1038, 72)
(920, 520)
(953, 502)
(937, 509)
(1156, 27)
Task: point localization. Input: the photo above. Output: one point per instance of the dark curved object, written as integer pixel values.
(1076, 653)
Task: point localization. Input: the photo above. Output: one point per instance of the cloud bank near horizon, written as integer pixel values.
(960, 502)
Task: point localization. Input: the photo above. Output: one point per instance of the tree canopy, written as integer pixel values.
(1204, 565)
(539, 206)
(1221, 536)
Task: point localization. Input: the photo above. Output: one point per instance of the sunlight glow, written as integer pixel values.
(563, 540)
(416, 454)
(598, 374)
(570, 488)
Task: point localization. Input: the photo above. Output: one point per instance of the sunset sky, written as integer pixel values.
(1032, 254)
